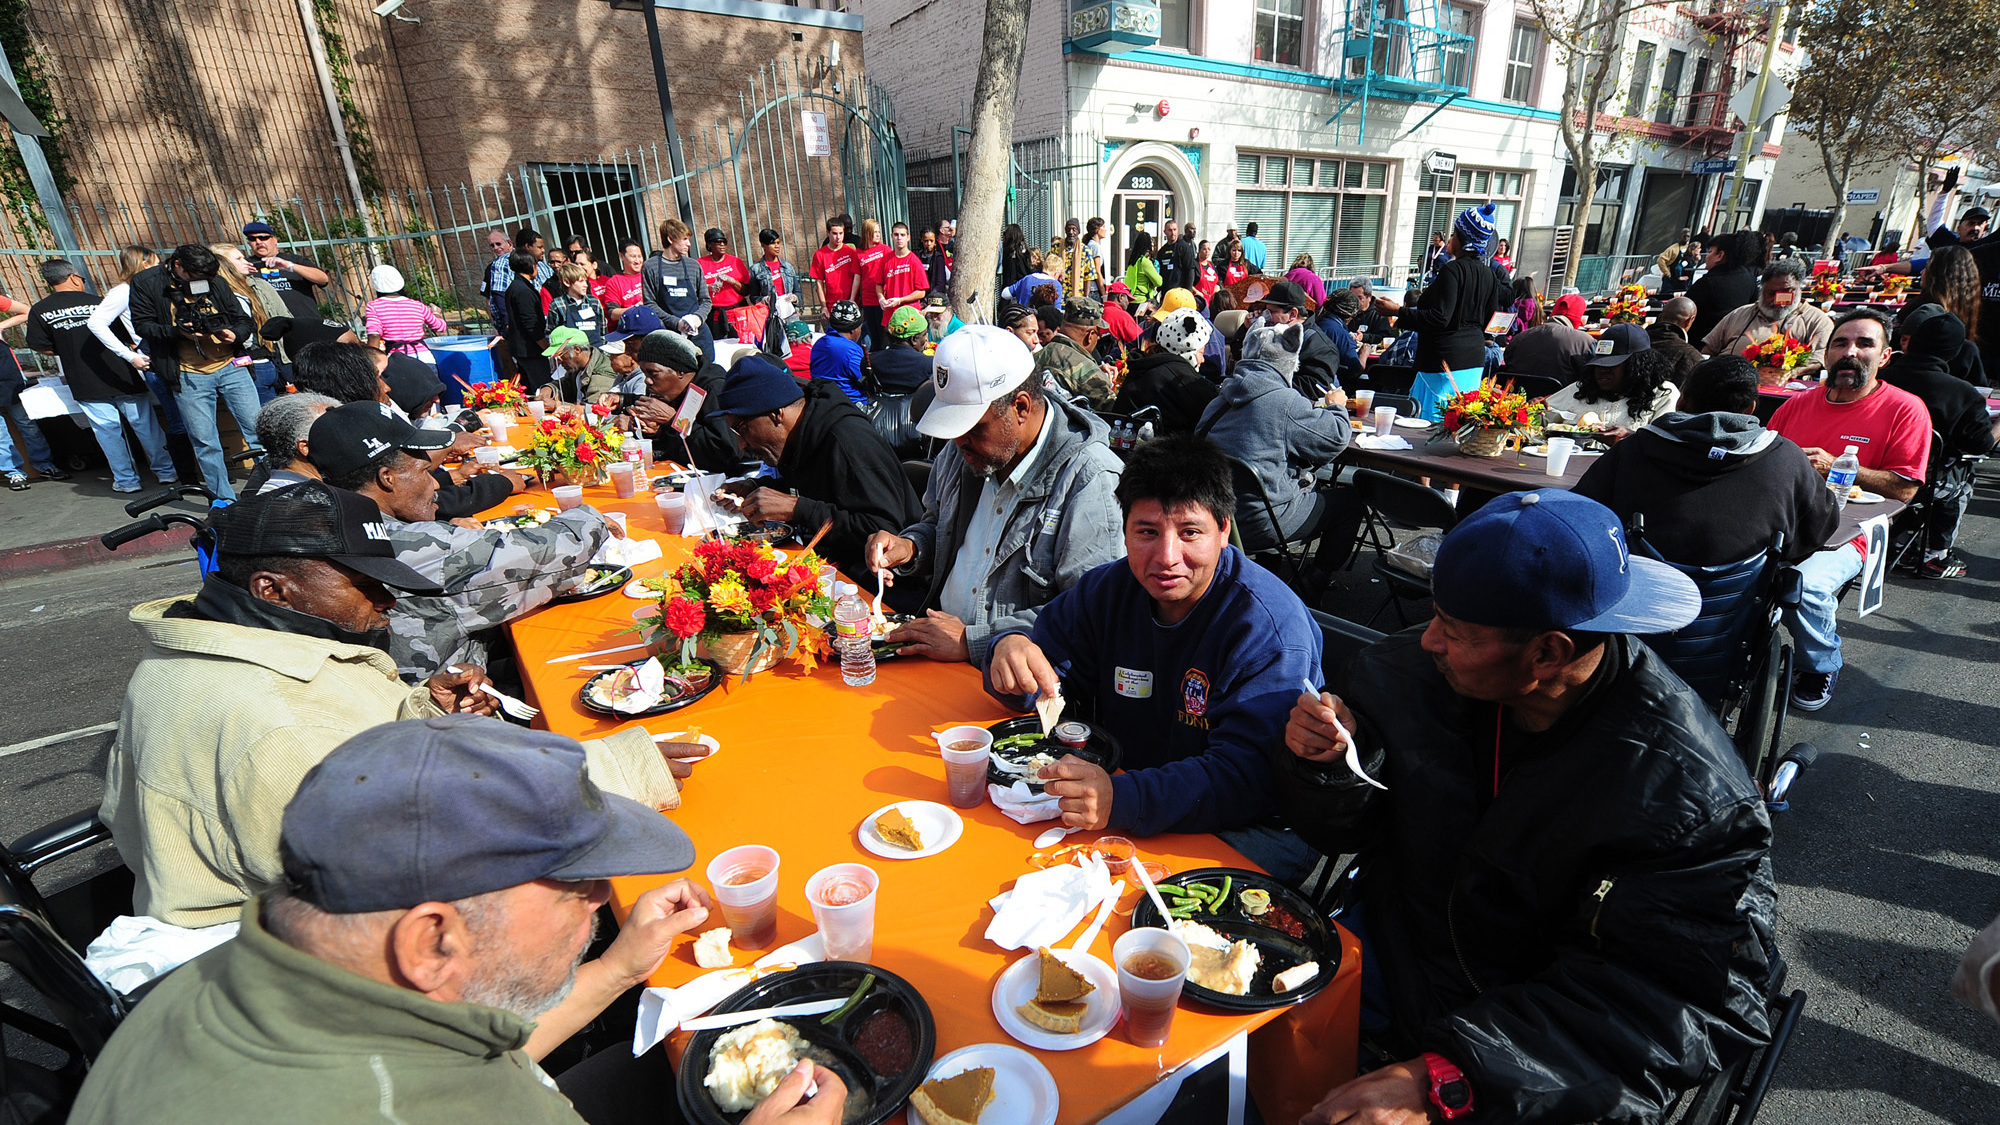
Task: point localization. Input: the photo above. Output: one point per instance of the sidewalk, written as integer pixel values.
(54, 525)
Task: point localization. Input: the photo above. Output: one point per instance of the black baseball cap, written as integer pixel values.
(1283, 295)
(298, 331)
(1618, 342)
(442, 809)
(354, 435)
(317, 521)
(412, 382)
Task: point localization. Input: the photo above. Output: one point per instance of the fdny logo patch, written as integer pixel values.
(1194, 693)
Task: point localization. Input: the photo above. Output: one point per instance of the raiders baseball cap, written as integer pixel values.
(350, 437)
(442, 809)
(972, 368)
(317, 521)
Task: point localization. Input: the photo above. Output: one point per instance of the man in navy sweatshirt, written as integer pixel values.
(1185, 651)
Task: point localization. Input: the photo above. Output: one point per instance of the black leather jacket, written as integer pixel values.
(1589, 940)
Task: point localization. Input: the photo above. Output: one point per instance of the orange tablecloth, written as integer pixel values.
(805, 759)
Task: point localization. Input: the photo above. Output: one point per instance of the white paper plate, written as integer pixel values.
(707, 740)
(1543, 451)
(1024, 1092)
(636, 589)
(939, 825)
(1017, 985)
(1412, 423)
(1866, 497)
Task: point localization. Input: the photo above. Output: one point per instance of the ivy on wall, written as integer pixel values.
(341, 65)
(31, 76)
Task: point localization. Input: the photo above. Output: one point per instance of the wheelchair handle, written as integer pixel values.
(113, 540)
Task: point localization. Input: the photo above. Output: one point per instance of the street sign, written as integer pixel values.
(1777, 96)
(1712, 167)
(812, 125)
(1441, 163)
(1871, 195)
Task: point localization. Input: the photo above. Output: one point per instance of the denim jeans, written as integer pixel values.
(1812, 623)
(31, 436)
(1279, 851)
(197, 398)
(107, 424)
(267, 377)
(169, 407)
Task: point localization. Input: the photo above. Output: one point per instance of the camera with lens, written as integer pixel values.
(193, 292)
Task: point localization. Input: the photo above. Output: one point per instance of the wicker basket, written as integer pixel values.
(1486, 441)
(731, 651)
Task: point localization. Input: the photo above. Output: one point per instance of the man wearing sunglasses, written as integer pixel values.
(287, 272)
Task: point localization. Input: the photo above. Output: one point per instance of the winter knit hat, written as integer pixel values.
(1184, 333)
(670, 349)
(1474, 227)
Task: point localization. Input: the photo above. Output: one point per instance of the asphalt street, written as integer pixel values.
(1888, 862)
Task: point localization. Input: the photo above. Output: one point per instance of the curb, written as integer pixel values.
(72, 554)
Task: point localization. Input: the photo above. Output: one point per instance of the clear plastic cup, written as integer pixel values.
(1118, 854)
(965, 770)
(744, 880)
(645, 454)
(624, 479)
(1147, 996)
(1364, 402)
(500, 427)
(487, 455)
(842, 898)
(616, 519)
(1560, 449)
(673, 511)
(567, 496)
(537, 409)
(1385, 420)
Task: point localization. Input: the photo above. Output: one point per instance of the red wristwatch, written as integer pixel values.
(1450, 1094)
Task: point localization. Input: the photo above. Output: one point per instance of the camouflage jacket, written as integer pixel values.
(1077, 370)
(489, 579)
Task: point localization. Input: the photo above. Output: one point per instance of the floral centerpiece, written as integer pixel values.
(1628, 307)
(1774, 355)
(1827, 286)
(570, 443)
(737, 603)
(1483, 418)
(506, 397)
(1896, 284)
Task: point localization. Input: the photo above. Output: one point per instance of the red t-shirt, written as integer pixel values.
(777, 280)
(836, 269)
(600, 288)
(725, 280)
(870, 260)
(1890, 430)
(622, 289)
(898, 277)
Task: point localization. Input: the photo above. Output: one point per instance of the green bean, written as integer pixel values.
(1227, 882)
(860, 990)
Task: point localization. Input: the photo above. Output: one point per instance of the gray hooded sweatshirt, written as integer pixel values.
(1261, 421)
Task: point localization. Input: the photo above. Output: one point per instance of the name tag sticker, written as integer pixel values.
(1133, 684)
(1604, 347)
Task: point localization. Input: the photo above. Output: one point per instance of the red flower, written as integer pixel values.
(762, 599)
(548, 425)
(586, 453)
(684, 618)
(599, 409)
(760, 569)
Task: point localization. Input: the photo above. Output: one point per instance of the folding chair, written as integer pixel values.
(1534, 386)
(1255, 510)
(1386, 378)
(1409, 505)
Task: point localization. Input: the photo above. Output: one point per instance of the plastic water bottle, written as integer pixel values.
(1145, 434)
(1841, 476)
(853, 635)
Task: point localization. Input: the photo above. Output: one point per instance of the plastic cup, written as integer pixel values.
(624, 479)
(842, 898)
(1148, 1001)
(1559, 450)
(487, 455)
(1385, 420)
(744, 880)
(567, 496)
(829, 577)
(1117, 853)
(673, 511)
(499, 426)
(645, 454)
(965, 770)
(1364, 402)
(537, 409)
(617, 519)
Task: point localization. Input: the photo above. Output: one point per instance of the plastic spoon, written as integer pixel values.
(1053, 835)
(1353, 755)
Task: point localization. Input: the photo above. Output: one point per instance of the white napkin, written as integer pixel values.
(626, 552)
(1375, 441)
(661, 1010)
(1021, 805)
(652, 686)
(703, 513)
(134, 949)
(1046, 905)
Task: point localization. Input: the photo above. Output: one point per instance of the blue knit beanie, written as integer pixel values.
(1474, 227)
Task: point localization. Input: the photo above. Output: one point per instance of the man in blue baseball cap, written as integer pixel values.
(832, 464)
(1566, 896)
(424, 949)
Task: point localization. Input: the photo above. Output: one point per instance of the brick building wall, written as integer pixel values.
(928, 63)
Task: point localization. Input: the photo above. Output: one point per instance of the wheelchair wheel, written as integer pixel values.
(1763, 709)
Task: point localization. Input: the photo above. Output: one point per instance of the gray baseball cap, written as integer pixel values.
(441, 809)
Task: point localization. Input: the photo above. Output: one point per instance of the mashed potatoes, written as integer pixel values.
(749, 1062)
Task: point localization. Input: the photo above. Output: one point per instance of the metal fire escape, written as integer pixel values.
(1399, 51)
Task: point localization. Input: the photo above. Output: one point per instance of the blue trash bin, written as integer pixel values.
(463, 360)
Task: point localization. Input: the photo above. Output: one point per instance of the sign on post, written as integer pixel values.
(1712, 167)
(1441, 163)
(1875, 572)
(819, 139)
(1869, 195)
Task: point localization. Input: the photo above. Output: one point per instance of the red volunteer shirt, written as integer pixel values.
(1890, 429)
(898, 277)
(836, 269)
(871, 260)
(725, 280)
(624, 290)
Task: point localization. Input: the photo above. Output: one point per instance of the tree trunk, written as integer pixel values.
(1838, 219)
(983, 208)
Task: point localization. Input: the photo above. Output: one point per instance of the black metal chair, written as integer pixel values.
(1406, 504)
(1340, 640)
(919, 475)
(1258, 516)
(32, 943)
(1947, 477)
(1385, 378)
(1734, 1096)
(1534, 386)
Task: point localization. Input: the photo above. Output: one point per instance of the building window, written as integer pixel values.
(1670, 87)
(1600, 227)
(1642, 80)
(1455, 62)
(1336, 210)
(1281, 31)
(1176, 19)
(1527, 44)
(1697, 110)
(1441, 198)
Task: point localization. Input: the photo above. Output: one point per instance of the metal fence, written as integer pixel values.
(1599, 274)
(808, 141)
